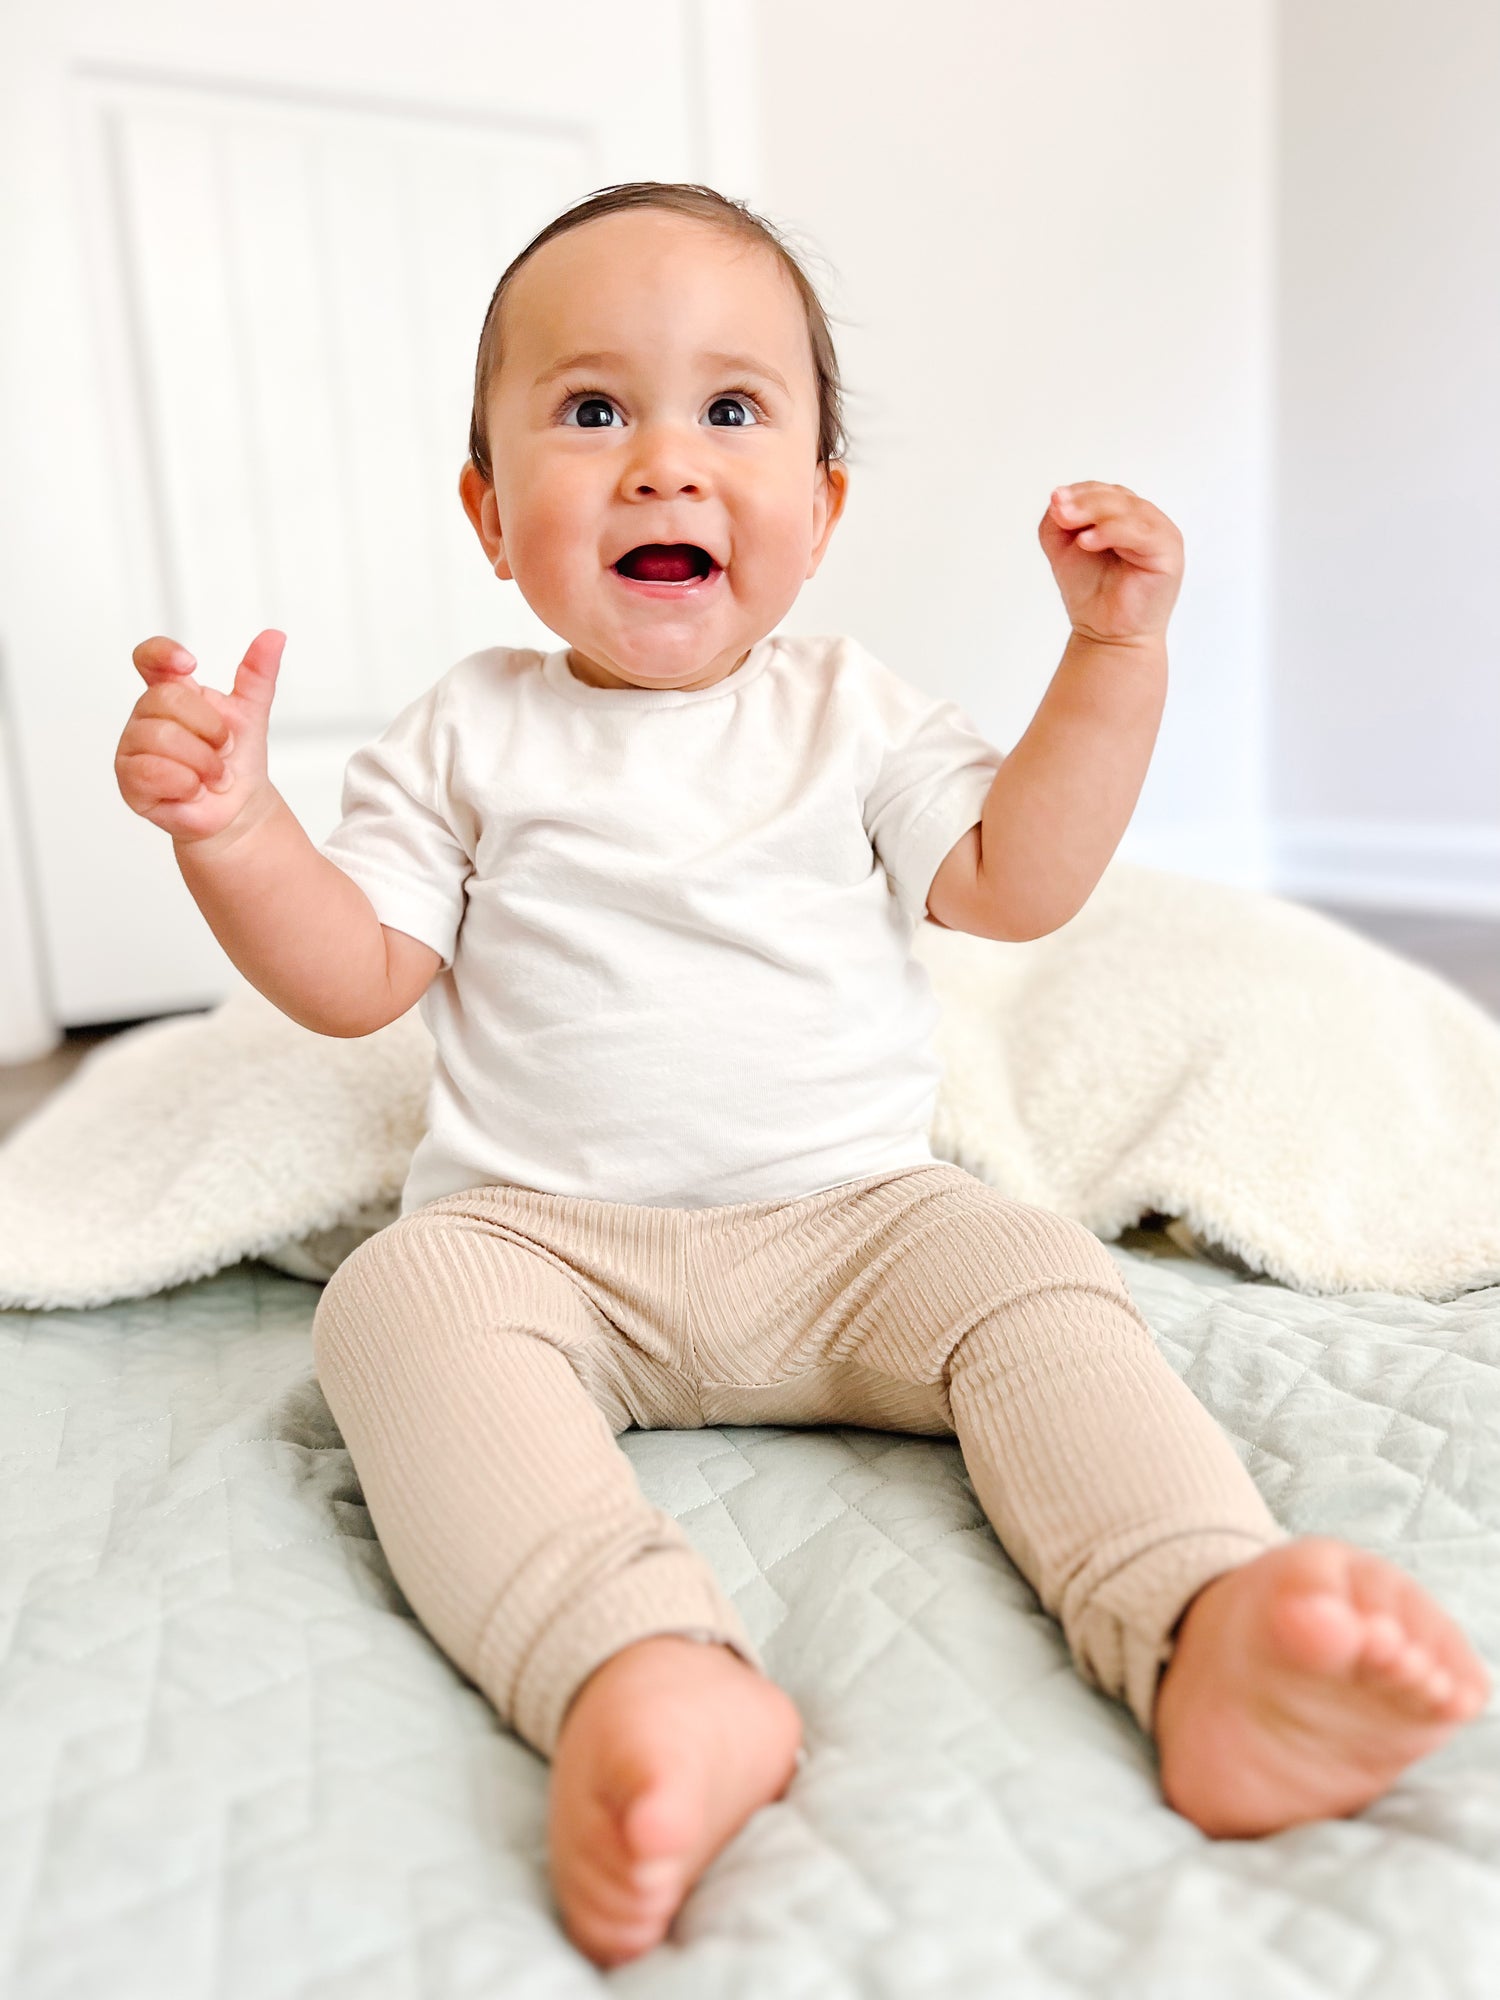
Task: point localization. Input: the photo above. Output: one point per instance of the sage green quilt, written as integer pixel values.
(234, 1767)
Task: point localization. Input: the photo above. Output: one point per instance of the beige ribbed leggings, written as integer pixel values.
(481, 1355)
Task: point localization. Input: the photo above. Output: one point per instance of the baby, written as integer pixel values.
(656, 891)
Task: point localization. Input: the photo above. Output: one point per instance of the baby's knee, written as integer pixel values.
(1054, 1290)
(363, 1294)
(1057, 1251)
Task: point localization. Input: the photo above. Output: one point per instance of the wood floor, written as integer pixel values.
(1463, 949)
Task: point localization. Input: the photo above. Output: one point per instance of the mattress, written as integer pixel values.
(235, 1767)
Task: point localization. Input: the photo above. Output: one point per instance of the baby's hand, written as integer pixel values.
(192, 760)
(1117, 560)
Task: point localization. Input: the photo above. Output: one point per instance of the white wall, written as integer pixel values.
(1386, 680)
(1049, 227)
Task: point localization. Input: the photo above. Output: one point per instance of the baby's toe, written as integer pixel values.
(1471, 1682)
(1382, 1645)
(1412, 1654)
(1411, 1663)
(658, 1822)
(1316, 1630)
(1448, 1650)
(658, 1881)
(599, 1896)
(1412, 1673)
(1389, 1603)
(610, 1921)
(610, 1943)
(1396, 1669)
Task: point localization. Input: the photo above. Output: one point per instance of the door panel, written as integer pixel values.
(255, 248)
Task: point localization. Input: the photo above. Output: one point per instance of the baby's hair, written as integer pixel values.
(704, 204)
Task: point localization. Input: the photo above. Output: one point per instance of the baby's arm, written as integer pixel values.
(1063, 797)
(299, 929)
(193, 761)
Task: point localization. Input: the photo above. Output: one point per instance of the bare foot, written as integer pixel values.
(665, 1752)
(1302, 1684)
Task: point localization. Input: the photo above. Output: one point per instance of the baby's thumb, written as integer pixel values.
(255, 676)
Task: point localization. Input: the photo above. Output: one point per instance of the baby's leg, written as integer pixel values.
(479, 1392)
(1306, 1674)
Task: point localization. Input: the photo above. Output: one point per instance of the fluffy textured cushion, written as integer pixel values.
(1311, 1105)
(1307, 1103)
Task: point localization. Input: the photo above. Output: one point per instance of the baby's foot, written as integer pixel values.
(1302, 1684)
(666, 1751)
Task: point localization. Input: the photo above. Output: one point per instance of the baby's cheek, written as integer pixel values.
(781, 544)
(548, 552)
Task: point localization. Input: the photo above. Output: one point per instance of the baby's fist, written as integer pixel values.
(192, 760)
(1117, 560)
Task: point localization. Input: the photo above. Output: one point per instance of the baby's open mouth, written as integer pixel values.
(666, 562)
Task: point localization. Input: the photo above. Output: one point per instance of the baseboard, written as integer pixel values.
(1452, 869)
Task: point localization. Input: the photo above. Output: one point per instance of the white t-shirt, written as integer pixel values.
(675, 925)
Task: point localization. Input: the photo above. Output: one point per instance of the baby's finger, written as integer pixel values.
(1085, 499)
(162, 660)
(1131, 530)
(165, 780)
(189, 704)
(255, 676)
(1113, 533)
(160, 736)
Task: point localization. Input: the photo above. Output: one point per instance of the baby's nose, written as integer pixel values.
(664, 487)
(663, 464)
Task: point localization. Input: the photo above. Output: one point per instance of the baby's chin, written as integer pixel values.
(655, 671)
(648, 639)
(657, 654)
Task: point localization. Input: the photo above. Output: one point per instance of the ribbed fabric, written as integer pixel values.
(482, 1354)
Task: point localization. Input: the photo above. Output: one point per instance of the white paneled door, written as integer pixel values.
(245, 252)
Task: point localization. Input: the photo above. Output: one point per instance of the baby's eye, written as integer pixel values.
(590, 404)
(741, 412)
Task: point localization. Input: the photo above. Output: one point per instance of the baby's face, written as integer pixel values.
(656, 387)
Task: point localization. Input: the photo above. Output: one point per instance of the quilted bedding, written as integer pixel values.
(234, 1767)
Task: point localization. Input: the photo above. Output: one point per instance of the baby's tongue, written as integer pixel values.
(661, 562)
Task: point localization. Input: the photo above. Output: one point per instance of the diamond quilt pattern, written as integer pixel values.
(236, 1768)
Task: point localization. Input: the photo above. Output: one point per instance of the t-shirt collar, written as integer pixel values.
(560, 677)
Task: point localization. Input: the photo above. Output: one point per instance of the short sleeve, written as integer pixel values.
(396, 838)
(932, 782)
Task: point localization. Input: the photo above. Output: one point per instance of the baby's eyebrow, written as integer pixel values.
(748, 365)
(607, 358)
(572, 361)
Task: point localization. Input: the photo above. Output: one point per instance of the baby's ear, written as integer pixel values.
(478, 496)
(832, 491)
